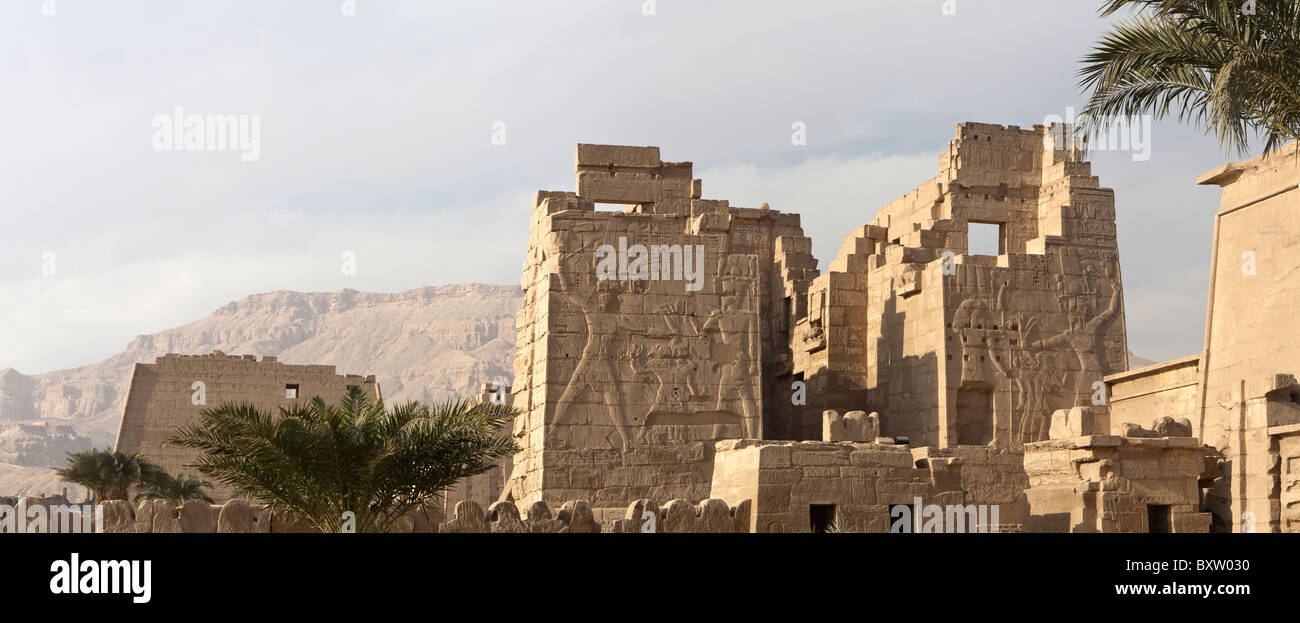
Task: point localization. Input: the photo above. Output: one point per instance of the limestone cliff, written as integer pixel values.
(429, 343)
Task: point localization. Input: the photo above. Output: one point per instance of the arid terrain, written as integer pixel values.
(431, 343)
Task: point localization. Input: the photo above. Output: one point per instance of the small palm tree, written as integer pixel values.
(174, 489)
(109, 474)
(1229, 67)
(837, 528)
(319, 461)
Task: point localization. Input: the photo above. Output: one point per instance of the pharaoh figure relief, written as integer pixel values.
(690, 359)
(1044, 360)
(597, 371)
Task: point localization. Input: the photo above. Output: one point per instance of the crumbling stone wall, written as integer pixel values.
(171, 392)
(961, 349)
(990, 476)
(861, 481)
(1082, 482)
(646, 333)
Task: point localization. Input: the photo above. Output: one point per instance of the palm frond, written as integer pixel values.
(317, 460)
(1211, 63)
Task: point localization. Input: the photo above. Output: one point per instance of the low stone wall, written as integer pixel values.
(238, 516)
(1171, 388)
(1110, 483)
(858, 482)
(990, 475)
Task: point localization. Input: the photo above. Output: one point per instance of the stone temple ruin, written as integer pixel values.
(674, 350)
(959, 349)
(682, 348)
(171, 392)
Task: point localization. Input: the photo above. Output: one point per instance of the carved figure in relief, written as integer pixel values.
(997, 344)
(1086, 322)
(597, 369)
(732, 354)
(668, 358)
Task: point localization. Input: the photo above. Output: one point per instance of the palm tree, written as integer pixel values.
(176, 490)
(1230, 67)
(108, 475)
(319, 461)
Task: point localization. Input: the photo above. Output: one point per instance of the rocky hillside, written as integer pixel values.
(430, 343)
(39, 445)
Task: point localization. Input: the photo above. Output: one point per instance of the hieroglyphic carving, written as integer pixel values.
(600, 354)
(627, 374)
(677, 359)
(1047, 360)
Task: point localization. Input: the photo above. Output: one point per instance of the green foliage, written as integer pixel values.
(1229, 67)
(109, 474)
(318, 461)
(176, 490)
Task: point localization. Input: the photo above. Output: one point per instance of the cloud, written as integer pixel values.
(89, 309)
(376, 136)
(832, 195)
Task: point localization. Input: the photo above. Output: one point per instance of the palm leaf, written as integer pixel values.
(1207, 62)
(317, 461)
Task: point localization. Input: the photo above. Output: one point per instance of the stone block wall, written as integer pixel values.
(1263, 462)
(860, 481)
(1248, 365)
(955, 348)
(171, 392)
(1254, 284)
(1287, 438)
(990, 476)
(646, 332)
(1170, 388)
(1110, 483)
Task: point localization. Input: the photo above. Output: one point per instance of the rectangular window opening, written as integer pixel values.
(1158, 519)
(985, 239)
(613, 207)
(291, 391)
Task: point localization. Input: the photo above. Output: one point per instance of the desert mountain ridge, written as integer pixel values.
(430, 343)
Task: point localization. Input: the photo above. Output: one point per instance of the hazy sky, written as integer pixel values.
(376, 138)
